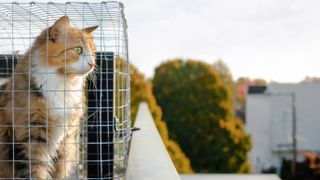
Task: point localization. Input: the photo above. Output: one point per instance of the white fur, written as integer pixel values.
(63, 98)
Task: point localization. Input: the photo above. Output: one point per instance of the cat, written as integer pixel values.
(42, 103)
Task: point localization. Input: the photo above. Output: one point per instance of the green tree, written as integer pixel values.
(197, 109)
(223, 71)
(141, 91)
(226, 78)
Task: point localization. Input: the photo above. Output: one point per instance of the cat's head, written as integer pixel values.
(67, 50)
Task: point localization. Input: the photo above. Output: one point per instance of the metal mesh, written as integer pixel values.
(33, 143)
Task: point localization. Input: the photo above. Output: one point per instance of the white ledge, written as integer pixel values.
(148, 157)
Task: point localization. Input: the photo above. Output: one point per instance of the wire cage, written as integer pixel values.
(65, 90)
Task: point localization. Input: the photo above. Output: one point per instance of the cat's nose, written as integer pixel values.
(91, 65)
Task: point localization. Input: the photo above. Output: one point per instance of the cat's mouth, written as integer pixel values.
(91, 66)
(90, 69)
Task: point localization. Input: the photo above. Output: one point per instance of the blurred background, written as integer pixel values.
(233, 86)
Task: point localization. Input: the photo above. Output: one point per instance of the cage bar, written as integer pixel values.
(105, 129)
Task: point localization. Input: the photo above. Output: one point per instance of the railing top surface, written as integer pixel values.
(148, 157)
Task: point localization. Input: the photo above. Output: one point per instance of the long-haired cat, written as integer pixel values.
(42, 104)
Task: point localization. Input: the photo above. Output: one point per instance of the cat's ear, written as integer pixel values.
(90, 30)
(59, 27)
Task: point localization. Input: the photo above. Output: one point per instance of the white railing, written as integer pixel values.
(148, 157)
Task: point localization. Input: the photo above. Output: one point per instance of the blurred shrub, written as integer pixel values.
(141, 91)
(199, 115)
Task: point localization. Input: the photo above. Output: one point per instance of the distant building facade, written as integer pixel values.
(269, 121)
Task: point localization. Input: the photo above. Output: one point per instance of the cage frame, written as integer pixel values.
(121, 128)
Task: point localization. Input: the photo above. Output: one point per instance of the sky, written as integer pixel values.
(277, 40)
(270, 39)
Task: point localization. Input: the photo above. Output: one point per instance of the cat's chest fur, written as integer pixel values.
(63, 101)
(63, 97)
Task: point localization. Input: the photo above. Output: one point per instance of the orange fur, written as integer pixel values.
(29, 126)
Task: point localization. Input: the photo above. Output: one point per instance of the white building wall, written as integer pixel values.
(269, 121)
(280, 119)
(307, 114)
(258, 110)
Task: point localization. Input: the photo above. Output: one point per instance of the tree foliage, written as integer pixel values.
(197, 109)
(225, 76)
(141, 91)
(224, 72)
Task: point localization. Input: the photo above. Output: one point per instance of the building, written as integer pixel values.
(271, 112)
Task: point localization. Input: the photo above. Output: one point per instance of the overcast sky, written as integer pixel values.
(271, 39)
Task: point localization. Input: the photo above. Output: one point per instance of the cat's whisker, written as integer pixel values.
(93, 75)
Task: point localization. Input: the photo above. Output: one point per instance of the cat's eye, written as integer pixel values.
(78, 50)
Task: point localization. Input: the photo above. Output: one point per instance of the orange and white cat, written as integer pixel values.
(42, 104)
